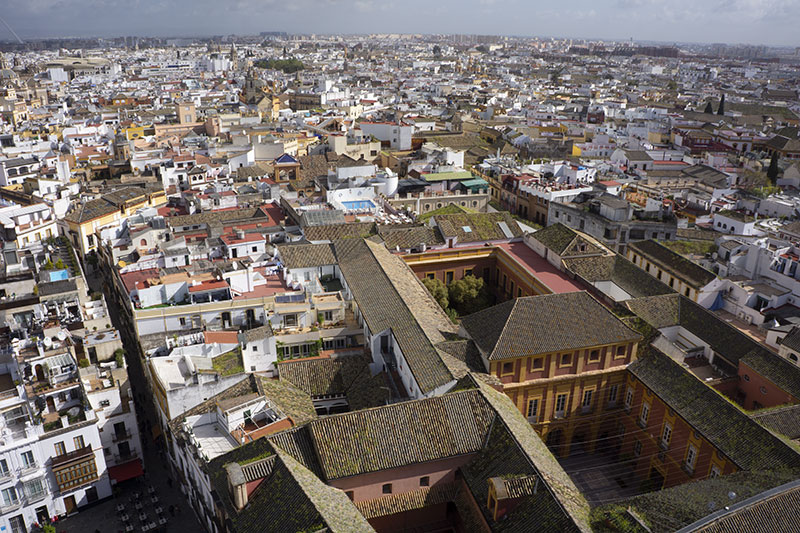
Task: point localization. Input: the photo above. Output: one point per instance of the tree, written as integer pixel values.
(438, 290)
(709, 110)
(468, 295)
(721, 109)
(772, 171)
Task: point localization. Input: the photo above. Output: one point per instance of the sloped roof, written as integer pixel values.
(482, 226)
(742, 440)
(784, 420)
(412, 237)
(727, 341)
(306, 255)
(688, 271)
(331, 232)
(391, 297)
(543, 324)
(556, 237)
(290, 498)
(619, 270)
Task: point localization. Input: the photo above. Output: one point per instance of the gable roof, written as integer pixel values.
(556, 237)
(726, 341)
(543, 324)
(331, 232)
(673, 262)
(306, 255)
(482, 226)
(391, 297)
(742, 440)
(619, 270)
(303, 502)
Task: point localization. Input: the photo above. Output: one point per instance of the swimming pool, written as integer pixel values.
(358, 205)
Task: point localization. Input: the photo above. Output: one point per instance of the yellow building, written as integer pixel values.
(562, 359)
(81, 224)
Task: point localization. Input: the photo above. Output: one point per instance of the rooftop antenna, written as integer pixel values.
(12, 31)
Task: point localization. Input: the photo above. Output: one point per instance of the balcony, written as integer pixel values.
(35, 497)
(5, 475)
(66, 458)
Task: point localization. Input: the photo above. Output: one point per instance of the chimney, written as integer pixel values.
(237, 485)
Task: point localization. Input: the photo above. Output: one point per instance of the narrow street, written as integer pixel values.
(103, 517)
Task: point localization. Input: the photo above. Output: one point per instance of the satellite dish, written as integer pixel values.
(48, 342)
(62, 335)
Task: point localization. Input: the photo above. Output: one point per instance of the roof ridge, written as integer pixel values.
(505, 325)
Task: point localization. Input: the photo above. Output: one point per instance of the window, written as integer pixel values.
(691, 458)
(637, 448)
(644, 414)
(425, 481)
(508, 368)
(612, 394)
(27, 459)
(621, 351)
(3, 467)
(78, 442)
(448, 277)
(745, 377)
(628, 399)
(255, 248)
(533, 410)
(387, 488)
(467, 272)
(561, 405)
(34, 489)
(594, 356)
(586, 406)
(686, 293)
(183, 321)
(9, 496)
(566, 359)
(538, 363)
(763, 390)
(60, 449)
(666, 435)
(793, 357)
(715, 471)
(519, 293)
(254, 348)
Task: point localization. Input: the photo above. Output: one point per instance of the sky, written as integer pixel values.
(770, 22)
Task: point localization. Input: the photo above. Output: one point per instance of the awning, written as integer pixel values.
(126, 471)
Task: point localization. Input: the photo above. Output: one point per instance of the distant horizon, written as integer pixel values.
(206, 36)
(770, 23)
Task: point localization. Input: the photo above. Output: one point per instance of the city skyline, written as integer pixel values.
(755, 22)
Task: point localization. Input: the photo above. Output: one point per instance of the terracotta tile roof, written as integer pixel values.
(742, 440)
(391, 297)
(674, 263)
(306, 255)
(544, 324)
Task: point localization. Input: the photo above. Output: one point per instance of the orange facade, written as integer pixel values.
(665, 450)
